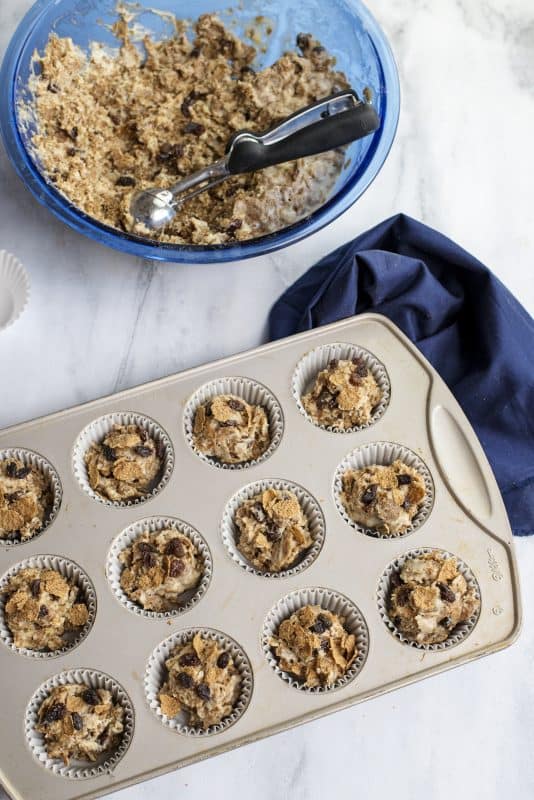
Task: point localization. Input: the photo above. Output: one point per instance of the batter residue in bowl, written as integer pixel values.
(110, 124)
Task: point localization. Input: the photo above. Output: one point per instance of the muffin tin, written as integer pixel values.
(466, 518)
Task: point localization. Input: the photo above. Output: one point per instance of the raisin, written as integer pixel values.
(22, 472)
(168, 151)
(73, 133)
(142, 450)
(370, 494)
(395, 580)
(11, 469)
(189, 100)
(176, 567)
(77, 721)
(403, 479)
(325, 645)
(53, 87)
(91, 697)
(35, 587)
(194, 52)
(13, 496)
(174, 548)
(115, 118)
(71, 151)
(223, 660)
(185, 680)
(55, 713)
(319, 625)
(273, 532)
(446, 622)
(145, 547)
(257, 512)
(125, 180)
(325, 620)
(203, 691)
(354, 379)
(318, 49)
(333, 363)
(148, 559)
(234, 225)
(303, 41)
(109, 453)
(189, 660)
(195, 128)
(43, 612)
(361, 370)
(446, 593)
(235, 405)
(406, 505)
(229, 423)
(403, 596)
(247, 70)
(326, 399)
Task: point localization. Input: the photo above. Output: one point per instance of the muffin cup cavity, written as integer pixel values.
(318, 359)
(34, 460)
(74, 574)
(312, 512)
(97, 430)
(154, 525)
(384, 454)
(156, 673)
(329, 600)
(78, 769)
(384, 590)
(251, 392)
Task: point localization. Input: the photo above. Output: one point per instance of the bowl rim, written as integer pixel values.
(138, 246)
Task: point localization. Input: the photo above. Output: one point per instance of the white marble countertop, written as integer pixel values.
(99, 321)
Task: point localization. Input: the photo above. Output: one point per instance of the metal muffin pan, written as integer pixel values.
(467, 519)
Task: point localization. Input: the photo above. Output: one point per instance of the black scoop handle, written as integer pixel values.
(248, 153)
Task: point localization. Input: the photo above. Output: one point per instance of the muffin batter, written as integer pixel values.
(230, 430)
(41, 608)
(25, 500)
(385, 498)
(344, 395)
(79, 722)
(202, 680)
(313, 645)
(430, 597)
(159, 568)
(113, 123)
(125, 465)
(273, 530)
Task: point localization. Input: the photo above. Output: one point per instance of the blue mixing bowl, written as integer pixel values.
(344, 27)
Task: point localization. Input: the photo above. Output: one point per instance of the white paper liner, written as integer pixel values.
(310, 507)
(251, 392)
(31, 459)
(14, 289)
(156, 675)
(328, 600)
(316, 360)
(79, 769)
(74, 574)
(97, 430)
(153, 525)
(384, 453)
(384, 589)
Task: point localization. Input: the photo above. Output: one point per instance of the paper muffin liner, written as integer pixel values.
(14, 289)
(312, 512)
(251, 392)
(79, 769)
(459, 633)
(156, 675)
(74, 574)
(384, 453)
(31, 459)
(329, 600)
(97, 430)
(318, 359)
(154, 525)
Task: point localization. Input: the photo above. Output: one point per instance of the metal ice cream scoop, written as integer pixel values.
(333, 122)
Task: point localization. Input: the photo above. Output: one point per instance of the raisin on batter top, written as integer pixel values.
(25, 500)
(42, 608)
(203, 681)
(430, 597)
(273, 530)
(230, 430)
(125, 465)
(159, 568)
(314, 646)
(344, 395)
(78, 722)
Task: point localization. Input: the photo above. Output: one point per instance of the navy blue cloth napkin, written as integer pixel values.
(460, 316)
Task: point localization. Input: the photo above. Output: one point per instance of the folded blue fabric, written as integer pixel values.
(461, 317)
